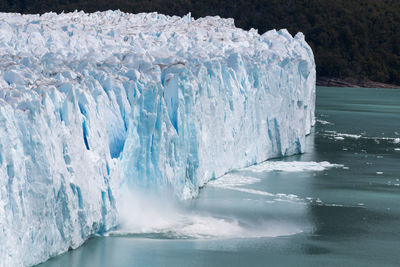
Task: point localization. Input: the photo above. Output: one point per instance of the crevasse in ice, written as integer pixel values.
(92, 103)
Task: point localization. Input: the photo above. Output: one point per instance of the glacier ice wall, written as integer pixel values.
(92, 103)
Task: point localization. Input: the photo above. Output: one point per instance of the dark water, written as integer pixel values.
(348, 215)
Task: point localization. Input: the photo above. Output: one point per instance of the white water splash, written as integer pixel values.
(149, 216)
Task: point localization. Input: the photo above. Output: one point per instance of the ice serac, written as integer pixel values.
(91, 104)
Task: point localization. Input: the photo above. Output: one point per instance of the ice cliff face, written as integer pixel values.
(92, 103)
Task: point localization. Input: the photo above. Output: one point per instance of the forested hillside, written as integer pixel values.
(350, 38)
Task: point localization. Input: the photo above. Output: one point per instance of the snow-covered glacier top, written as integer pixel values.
(94, 104)
(157, 39)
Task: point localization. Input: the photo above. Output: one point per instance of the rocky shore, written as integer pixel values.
(352, 82)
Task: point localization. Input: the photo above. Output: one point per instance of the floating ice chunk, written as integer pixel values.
(339, 138)
(342, 136)
(230, 180)
(323, 122)
(355, 136)
(292, 166)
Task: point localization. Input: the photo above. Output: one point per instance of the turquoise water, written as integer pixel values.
(273, 215)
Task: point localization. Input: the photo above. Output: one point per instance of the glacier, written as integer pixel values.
(94, 104)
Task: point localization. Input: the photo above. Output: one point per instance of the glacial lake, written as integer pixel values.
(338, 204)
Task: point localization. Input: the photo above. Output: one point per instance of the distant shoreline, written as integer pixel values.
(351, 82)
